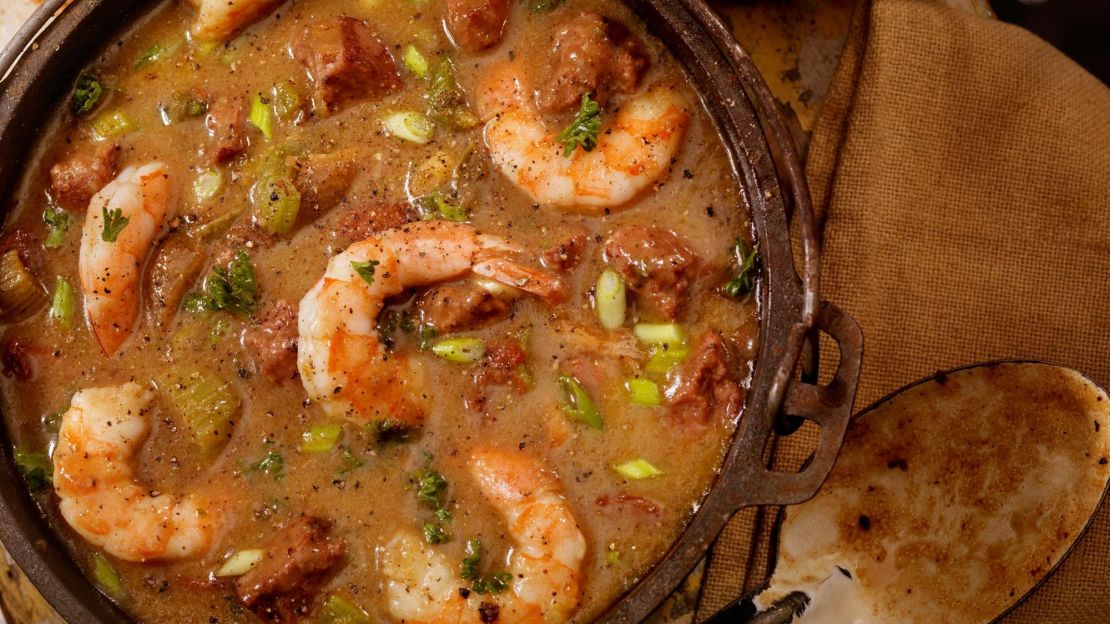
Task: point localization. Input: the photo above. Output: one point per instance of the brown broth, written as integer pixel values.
(369, 503)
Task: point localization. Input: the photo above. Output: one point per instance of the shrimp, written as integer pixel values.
(218, 20)
(100, 497)
(343, 364)
(110, 270)
(633, 151)
(422, 586)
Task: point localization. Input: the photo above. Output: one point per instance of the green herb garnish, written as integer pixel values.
(86, 93)
(747, 261)
(481, 583)
(430, 487)
(492, 583)
(272, 464)
(57, 222)
(584, 129)
(434, 533)
(36, 469)
(232, 289)
(365, 270)
(114, 222)
(471, 560)
(446, 102)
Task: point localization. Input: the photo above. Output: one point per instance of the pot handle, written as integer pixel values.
(829, 406)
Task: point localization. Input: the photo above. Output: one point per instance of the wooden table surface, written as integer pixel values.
(796, 46)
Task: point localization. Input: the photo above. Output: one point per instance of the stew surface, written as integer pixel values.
(373, 310)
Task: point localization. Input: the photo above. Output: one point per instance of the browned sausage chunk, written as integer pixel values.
(503, 365)
(75, 180)
(173, 270)
(596, 55)
(477, 24)
(24, 243)
(655, 264)
(281, 586)
(323, 179)
(273, 342)
(227, 128)
(346, 61)
(566, 254)
(361, 222)
(703, 388)
(453, 306)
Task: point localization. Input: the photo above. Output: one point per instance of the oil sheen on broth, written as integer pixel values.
(567, 330)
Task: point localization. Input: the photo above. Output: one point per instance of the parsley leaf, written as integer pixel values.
(57, 222)
(493, 583)
(114, 222)
(434, 533)
(430, 487)
(471, 560)
(747, 260)
(86, 93)
(481, 583)
(272, 464)
(232, 289)
(584, 129)
(365, 270)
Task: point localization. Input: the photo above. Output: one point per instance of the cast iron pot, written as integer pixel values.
(49, 51)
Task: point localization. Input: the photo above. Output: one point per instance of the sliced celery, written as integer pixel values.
(20, 292)
(241, 562)
(638, 468)
(321, 438)
(107, 578)
(261, 117)
(276, 203)
(208, 404)
(338, 611)
(660, 333)
(644, 392)
(611, 300)
(65, 303)
(410, 126)
(577, 403)
(113, 124)
(287, 100)
(461, 350)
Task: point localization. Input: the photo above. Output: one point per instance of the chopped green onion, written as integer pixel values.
(107, 578)
(644, 392)
(208, 404)
(113, 124)
(670, 334)
(241, 562)
(86, 93)
(747, 261)
(64, 304)
(611, 300)
(410, 126)
(461, 350)
(57, 222)
(639, 468)
(36, 468)
(583, 131)
(287, 101)
(261, 117)
(577, 403)
(415, 61)
(321, 438)
(663, 358)
(339, 611)
(208, 184)
(277, 202)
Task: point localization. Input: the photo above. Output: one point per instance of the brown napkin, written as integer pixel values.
(961, 171)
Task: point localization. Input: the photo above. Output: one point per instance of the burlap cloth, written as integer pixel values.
(961, 173)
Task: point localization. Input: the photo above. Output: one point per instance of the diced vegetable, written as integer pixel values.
(35, 468)
(747, 261)
(113, 124)
(662, 358)
(276, 203)
(348, 460)
(612, 556)
(241, 562)
(639, 468)
(670, 334)
(208, 404)
(20, 291)
(415, 61)
(492, 583)
(365, 270)
(86, 94)
(577, 403)
(434, 206)
(158, 52)
(261, 117)
(611, 300)
(410, 126)
(272, 464)
(287, 100)
(434, 533)
(106, 577)
(469, 570)
(445, 98)
(65, 303)
(114, 222)
(430, 487)
(644, 392)
(232, 289)
(583, 131)
(57, 222)
(321, 438)
(472, 558)
(461, 350)
(338, 611)
(208, 184)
